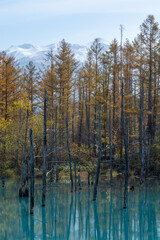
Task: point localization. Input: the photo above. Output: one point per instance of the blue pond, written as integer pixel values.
(75, 216)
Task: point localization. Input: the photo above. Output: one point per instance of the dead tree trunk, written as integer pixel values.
(24, 191)
(110, 140)
(45, 154)
(145, 149)
(69, 155)
(52, 150)
(79, 182)
(141, 150)
(99, 155)
(56, 158)
(75, 174)
(3, 182)
(88, 177)
(125, 139)
(32, 174)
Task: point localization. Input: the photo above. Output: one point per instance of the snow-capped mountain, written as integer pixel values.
(28, 52)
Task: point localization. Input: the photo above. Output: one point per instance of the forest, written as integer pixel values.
(106, 109)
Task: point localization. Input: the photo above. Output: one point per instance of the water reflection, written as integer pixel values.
(24, 207)
(75, 216)
(44, 223)
(31, 227)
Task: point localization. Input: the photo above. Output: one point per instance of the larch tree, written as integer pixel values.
(65, 67)
(150, 38)
(96, 49)
(31, 84)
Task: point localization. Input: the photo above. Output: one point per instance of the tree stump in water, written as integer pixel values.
(24, 190)
(79, 182)
(3, 182)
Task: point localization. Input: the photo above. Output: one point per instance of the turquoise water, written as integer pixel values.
(75, 216)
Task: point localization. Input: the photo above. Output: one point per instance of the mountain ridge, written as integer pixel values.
(28, 52)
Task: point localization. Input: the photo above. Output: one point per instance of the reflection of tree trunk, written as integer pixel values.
(44, 222)
(126, 221)
(105, 235)
(149, 221)
(24, 212)
(32, 227)
(55, 219)
(70, 215)
(150, 212)
(110, 214)
(96, 221)
(75, 209)
(88, 217)
(121, 219)
(141, 212)
(52, 211)
(80, 215)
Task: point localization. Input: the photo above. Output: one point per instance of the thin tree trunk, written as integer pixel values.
(75, 174)
(110, 140)
(45, 155)
(80, 117)
(99, 155)
(24, 171)
(141, 134)
(32, 174)
(125, 138)
(145, 149)
(79, 182)
(95, 119)
(88, 177)
(73, 118)
(56, 158)
(52, 149)
(69, 155)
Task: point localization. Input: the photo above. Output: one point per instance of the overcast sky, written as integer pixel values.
(43, 22)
